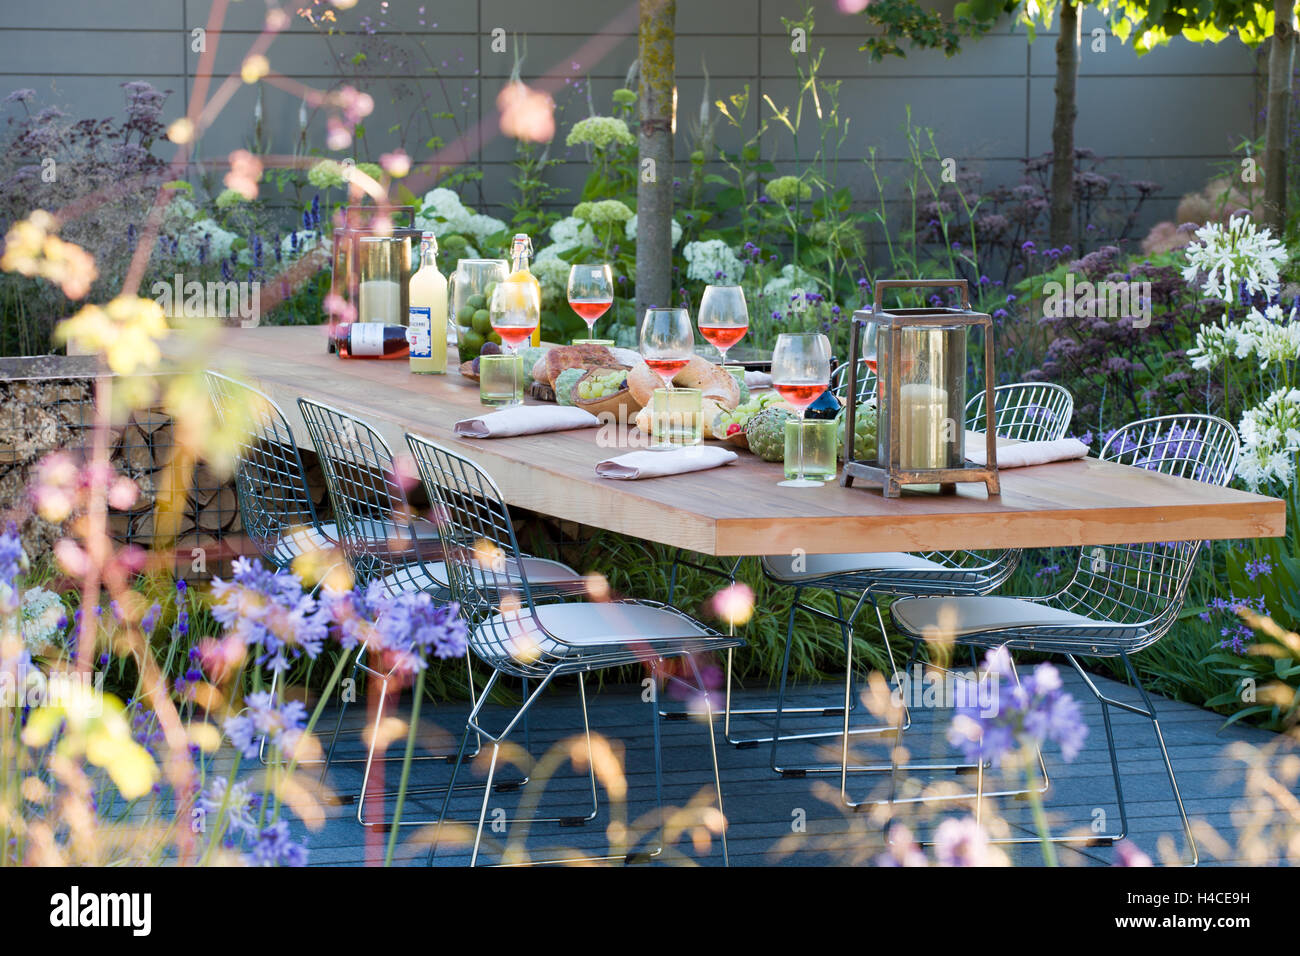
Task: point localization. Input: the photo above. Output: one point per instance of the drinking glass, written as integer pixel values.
(723, 318)
(515, 312)
(667, 345)
(591, 293)
(801, 371)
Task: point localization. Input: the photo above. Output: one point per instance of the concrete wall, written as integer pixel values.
(1165, 117)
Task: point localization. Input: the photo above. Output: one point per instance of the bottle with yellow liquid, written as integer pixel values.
(428, 312)
(521, 251)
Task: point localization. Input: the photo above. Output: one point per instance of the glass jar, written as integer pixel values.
(384, 269)
(472, 284)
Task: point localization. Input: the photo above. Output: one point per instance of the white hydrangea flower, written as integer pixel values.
(307, 239)
(219, 242)
(1270, 440)
(443, 213)
(600, 132)
(711, 260)
(553, 274)
(779, 291)
(1227, 255)
(480, 226)
(571, 232)
(43, 618)
(629, 230)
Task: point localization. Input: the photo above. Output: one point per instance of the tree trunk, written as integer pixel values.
(1067, 70)
(654, 194)
(1280, 59)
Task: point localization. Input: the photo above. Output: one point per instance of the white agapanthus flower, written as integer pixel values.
(571, 232)
(443, 213)
(779, 292)
(43, 618)
(711, 260)
(629, 230)
(1227, 255)
(1272, 336)
(1270, 440)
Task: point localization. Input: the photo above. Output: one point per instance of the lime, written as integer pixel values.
(493, 337)
(476, 302)
(482, 322)
(470, 343)
(464, 314)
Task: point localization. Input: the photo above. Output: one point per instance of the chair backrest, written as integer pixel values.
(376, 525)
(866, 381)
(270, 480)
(484, 564)
(1144, 584)
(1025, 411)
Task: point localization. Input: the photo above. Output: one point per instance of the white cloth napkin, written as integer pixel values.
(1023, 453)
(656, 464)
(758, 379)
(525, 420)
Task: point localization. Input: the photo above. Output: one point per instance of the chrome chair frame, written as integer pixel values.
(510, 636)
(1134, 592)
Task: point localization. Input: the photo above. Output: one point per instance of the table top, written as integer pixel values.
(739, 509)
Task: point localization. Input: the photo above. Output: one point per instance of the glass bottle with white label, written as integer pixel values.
(428, 312)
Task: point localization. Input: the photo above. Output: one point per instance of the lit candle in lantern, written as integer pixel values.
(922, 411)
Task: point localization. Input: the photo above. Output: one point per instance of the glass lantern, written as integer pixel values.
(920, 362)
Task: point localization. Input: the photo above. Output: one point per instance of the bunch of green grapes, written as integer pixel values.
(742, 413)
(601, 386)
(864, 432)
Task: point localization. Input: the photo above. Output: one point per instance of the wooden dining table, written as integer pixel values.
(739, 508)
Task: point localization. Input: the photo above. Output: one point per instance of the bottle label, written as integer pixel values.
(418, 331)
(366, 338)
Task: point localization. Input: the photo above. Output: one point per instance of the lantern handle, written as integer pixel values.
(923, 284)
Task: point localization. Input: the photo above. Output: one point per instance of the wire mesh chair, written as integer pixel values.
(521, 632)
(1120, 600)
(866, 380)
(1032, 412)
(275, 505)
(276, 509)
(383, 540)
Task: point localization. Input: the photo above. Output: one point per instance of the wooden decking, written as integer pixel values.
(766, 811)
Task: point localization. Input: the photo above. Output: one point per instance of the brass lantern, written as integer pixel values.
(921, 400)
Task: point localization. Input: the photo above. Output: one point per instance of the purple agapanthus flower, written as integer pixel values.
(1027, 713)
(274, 848)
(269, 609)
(962, 841)
(1264, 566)
(241, 805)
(405, 629)
(283, 724)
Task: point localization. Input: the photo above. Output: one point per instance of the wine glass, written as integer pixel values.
(667, 342)
(667, 345)
(801, 371)
(515, 312)
(723, 318)
(591, 292)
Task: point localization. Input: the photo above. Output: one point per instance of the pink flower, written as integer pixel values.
(397, 164)
(245, 173)
(337, 136)
(526, 113)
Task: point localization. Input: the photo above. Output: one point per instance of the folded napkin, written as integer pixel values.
(525, 420)
(656, 464)
(1023, 453)
(758, 379)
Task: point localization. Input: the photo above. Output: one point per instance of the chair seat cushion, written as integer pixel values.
(813, 566)
(964, 617)
(590, 624)
(543, 574)
(303, 540)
